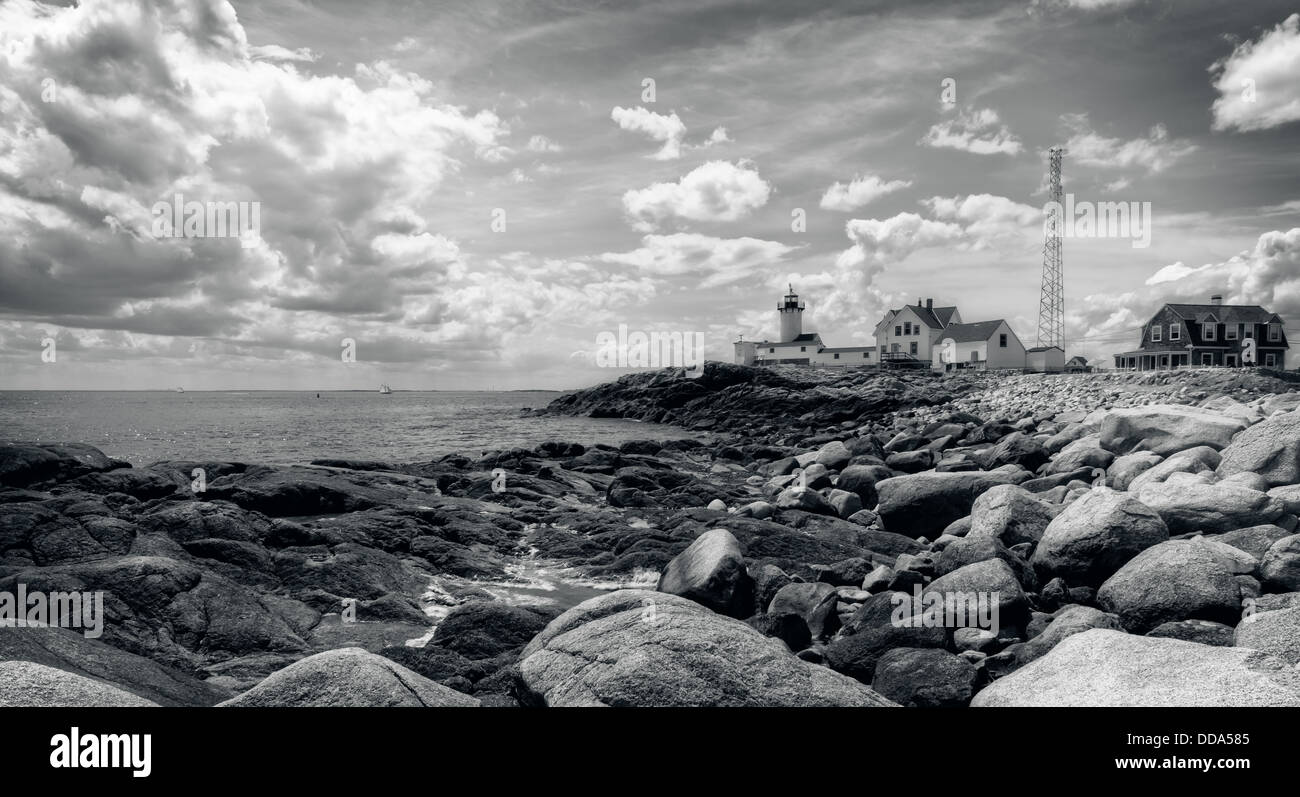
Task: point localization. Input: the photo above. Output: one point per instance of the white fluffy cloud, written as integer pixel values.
(860, 191)
(1257, 84)
(714, 261)
(714, 191)
(667, 130)
(978, 131)
(1150, 154)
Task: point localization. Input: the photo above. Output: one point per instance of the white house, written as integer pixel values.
(986, 345)
(911, 333)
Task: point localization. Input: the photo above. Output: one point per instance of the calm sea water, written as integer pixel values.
(291, 426)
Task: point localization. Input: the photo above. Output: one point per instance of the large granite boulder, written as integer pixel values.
(1175, 580)
(642, 648)
(1209, 508)
(711, 572)
(26, 683)
(1270, 448)
(1166, 429)
(349, 677)
(1094, 536)
(922, 504)
(1110, 668)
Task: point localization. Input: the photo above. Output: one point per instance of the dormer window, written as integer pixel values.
(1175, 332)
(1155, 333)
(1207, 331)
(1229, 331)
(1275, 332)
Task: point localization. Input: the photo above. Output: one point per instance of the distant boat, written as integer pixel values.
(180, 390)
(384, 390)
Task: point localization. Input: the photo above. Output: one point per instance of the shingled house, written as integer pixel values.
(1183, 335)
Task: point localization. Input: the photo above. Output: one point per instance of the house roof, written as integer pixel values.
(1045, 348)
(802, 340)
(933, 317)
(1077, 360)
(836, 349)
(1225, 313)
(972, 333)
(805, 337)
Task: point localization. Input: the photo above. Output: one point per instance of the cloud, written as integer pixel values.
(860, 191)
(893, 239)
(666, 129)
(978, 131)
(715, 261)
(1257, 83)
(541, 143)
(274, 52)
(1151, 154)
(714, 191)
(987, 220)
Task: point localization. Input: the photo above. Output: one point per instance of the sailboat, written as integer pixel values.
(385, 390)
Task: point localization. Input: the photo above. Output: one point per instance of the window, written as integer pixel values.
(1229, 331)
(803, 348)
(907, 327)
(1274, 332)
(1270, 360)
(1002, 340)
(912, 348)
(1249, 330)
(866, 355)
(893, 347)
(1155, 334)
(1207, 332)
(1229, 359)
(1175, 332)
(1207, 358)
(975, 356)
(837, 356)
(898, 331)
(771, 351)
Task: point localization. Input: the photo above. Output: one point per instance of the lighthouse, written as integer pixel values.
(791, 312)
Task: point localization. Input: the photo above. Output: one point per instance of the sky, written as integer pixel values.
(468, 195)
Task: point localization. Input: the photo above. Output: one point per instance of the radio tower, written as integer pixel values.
(1051, 304)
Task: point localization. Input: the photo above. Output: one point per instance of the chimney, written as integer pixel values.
(1216, 300)
(918, 302)
(929, 304)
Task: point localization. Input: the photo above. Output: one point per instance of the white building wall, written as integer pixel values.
(1013, 356)
(921, 335)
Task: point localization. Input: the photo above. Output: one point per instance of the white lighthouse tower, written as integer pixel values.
(791, 311)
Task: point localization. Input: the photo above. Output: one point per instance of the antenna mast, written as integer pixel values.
(1051, 303)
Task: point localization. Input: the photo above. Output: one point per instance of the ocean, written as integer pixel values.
(296, 427)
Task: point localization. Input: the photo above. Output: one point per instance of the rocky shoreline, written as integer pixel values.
(1135, 532)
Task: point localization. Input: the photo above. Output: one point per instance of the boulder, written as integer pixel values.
(1086, 452)
(1276, 633)
(1209, 508)
(711, 571)
(1270, 448)
(845, 503)
(22, 464)
(1279, 570)
(1110, 668)
(1094, 536)
(1125, 469)
(1166, 429)
(1016, 448)
(805, 500)
(861, 479)
(834, 455)
(1254, 540)
(1012, 514)
(349, 677)
(1067, 622)
(612, 651)
(922, 504)
(485, 629)
(993, 584)
(1175, 580)
(1201, 459)
(32, 685)
(815, 603)
(1203, 631)
(856, 656)
(925, 677)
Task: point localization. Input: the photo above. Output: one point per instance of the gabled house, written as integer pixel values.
(1185, 335)
(983, 345)
(911, 333)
